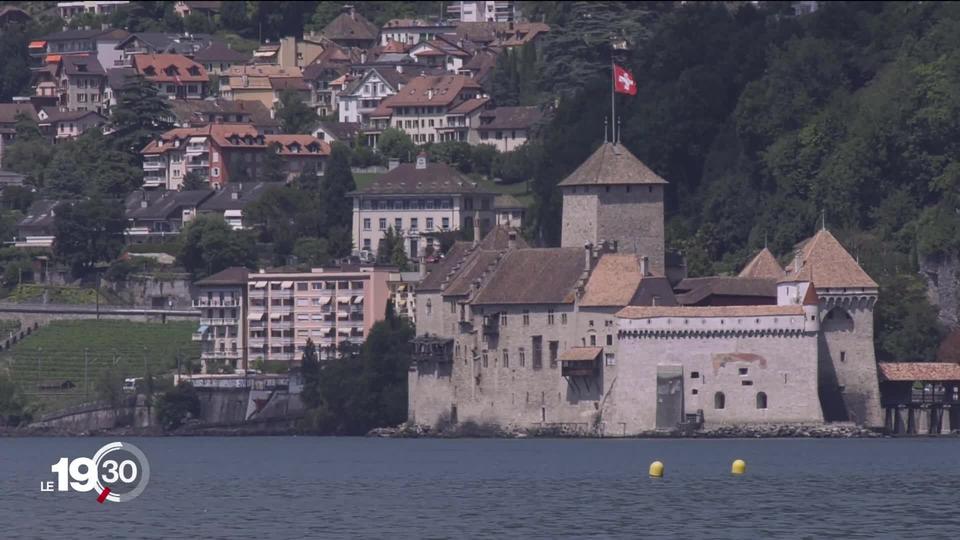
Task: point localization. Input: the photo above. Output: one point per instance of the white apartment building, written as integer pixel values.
(418, 201)
(364, 94)
(482, 11)
(69, 10)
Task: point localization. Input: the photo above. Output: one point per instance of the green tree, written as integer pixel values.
(88, 232)
(141, 115)
(294, 114)
(15, 68)
(176, 406)
(193, 181)
(395, 143)
(198, 23)
(337, 182)
(14, 407)
(906, 328)
(30, 152)
(360, 393)
(313, 252)
(210, 245)
(310, 369)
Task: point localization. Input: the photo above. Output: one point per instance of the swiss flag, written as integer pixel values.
(623, 81)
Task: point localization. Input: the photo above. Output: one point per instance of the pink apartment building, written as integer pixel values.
(280, 310)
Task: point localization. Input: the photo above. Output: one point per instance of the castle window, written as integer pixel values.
(526, 317)
(746, 383)
(694, 374)
(523, 359)
(649, 189)
(506, 358)
(628, 189)
(485, 359)
(593, 340)
(503, 319)
(743, 371)
(694, 391)
(608, 189)
(761, 400)
(609, 340)
(537, 352)
(719, 400)
(563, 318)
(843, 356)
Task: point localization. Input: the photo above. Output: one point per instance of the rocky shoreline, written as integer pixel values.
(761, 431)
(472, 430)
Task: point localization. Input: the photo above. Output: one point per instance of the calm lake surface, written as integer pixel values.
(306, 487)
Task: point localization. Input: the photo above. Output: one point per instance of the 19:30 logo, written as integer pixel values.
(121, 478)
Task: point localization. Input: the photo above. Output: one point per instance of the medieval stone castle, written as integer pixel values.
(604, 334)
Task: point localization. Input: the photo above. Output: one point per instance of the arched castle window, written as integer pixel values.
(719, 400)
(837, 320)
(761, 400)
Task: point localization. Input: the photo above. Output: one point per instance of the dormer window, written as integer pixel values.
(172, 71)
(150, 71)
(194, 70)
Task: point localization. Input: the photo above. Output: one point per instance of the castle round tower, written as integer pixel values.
(613, 196)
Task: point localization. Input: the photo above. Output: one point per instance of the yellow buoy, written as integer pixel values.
(656, 470)
(739, 467)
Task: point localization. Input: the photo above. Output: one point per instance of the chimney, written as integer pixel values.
(392, 164)
(430, 94)
(512, 240)
(476, 226)
(644, 266)
(587, 256)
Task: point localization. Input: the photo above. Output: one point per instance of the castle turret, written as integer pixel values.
(811, 310)
(847, 368)
(614, 196)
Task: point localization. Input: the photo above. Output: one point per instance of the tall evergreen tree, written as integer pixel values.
(141, 115)
(337, 182)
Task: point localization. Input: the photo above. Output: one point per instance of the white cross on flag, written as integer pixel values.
(623, 81)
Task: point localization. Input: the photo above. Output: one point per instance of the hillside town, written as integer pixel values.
(450, 213)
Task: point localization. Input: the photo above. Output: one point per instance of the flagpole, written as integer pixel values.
(613, 95)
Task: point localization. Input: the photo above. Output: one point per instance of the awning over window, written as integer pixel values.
(581, 354)
(357, 299)
(203, 329)
(325, 301)
(255, 316)
(286, 285)
(260, 284)
(343, 315)
(264, 54)
(343, 299)
(37, 45)
(53, 58)
(275, 316)
(343, 332)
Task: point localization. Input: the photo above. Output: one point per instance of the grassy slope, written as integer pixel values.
(60, 346)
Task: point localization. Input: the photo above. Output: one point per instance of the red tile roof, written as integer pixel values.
(612, 164)
(824, 261)
(183, 70)
(440, 90)
(581, 354)
(919, 371)
(763, 265)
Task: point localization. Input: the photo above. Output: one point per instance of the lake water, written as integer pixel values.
(306, 487)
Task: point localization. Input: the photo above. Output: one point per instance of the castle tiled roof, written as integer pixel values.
(823, 260)
(612, 164)
(699, 289)
(534, 276)
(763, 265)
(919, 371)
(649, 312)
(613, 281)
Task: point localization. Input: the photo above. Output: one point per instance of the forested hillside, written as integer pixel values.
(767, 125)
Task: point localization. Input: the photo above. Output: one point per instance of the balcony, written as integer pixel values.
(154, 165)
(215, 302)
(220, 322)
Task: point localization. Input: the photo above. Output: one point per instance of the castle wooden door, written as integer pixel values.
(669, 396)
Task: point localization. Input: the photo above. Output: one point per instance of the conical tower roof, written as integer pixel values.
(811, 298)
(763, 265)
(612, 164)
(834, 265)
